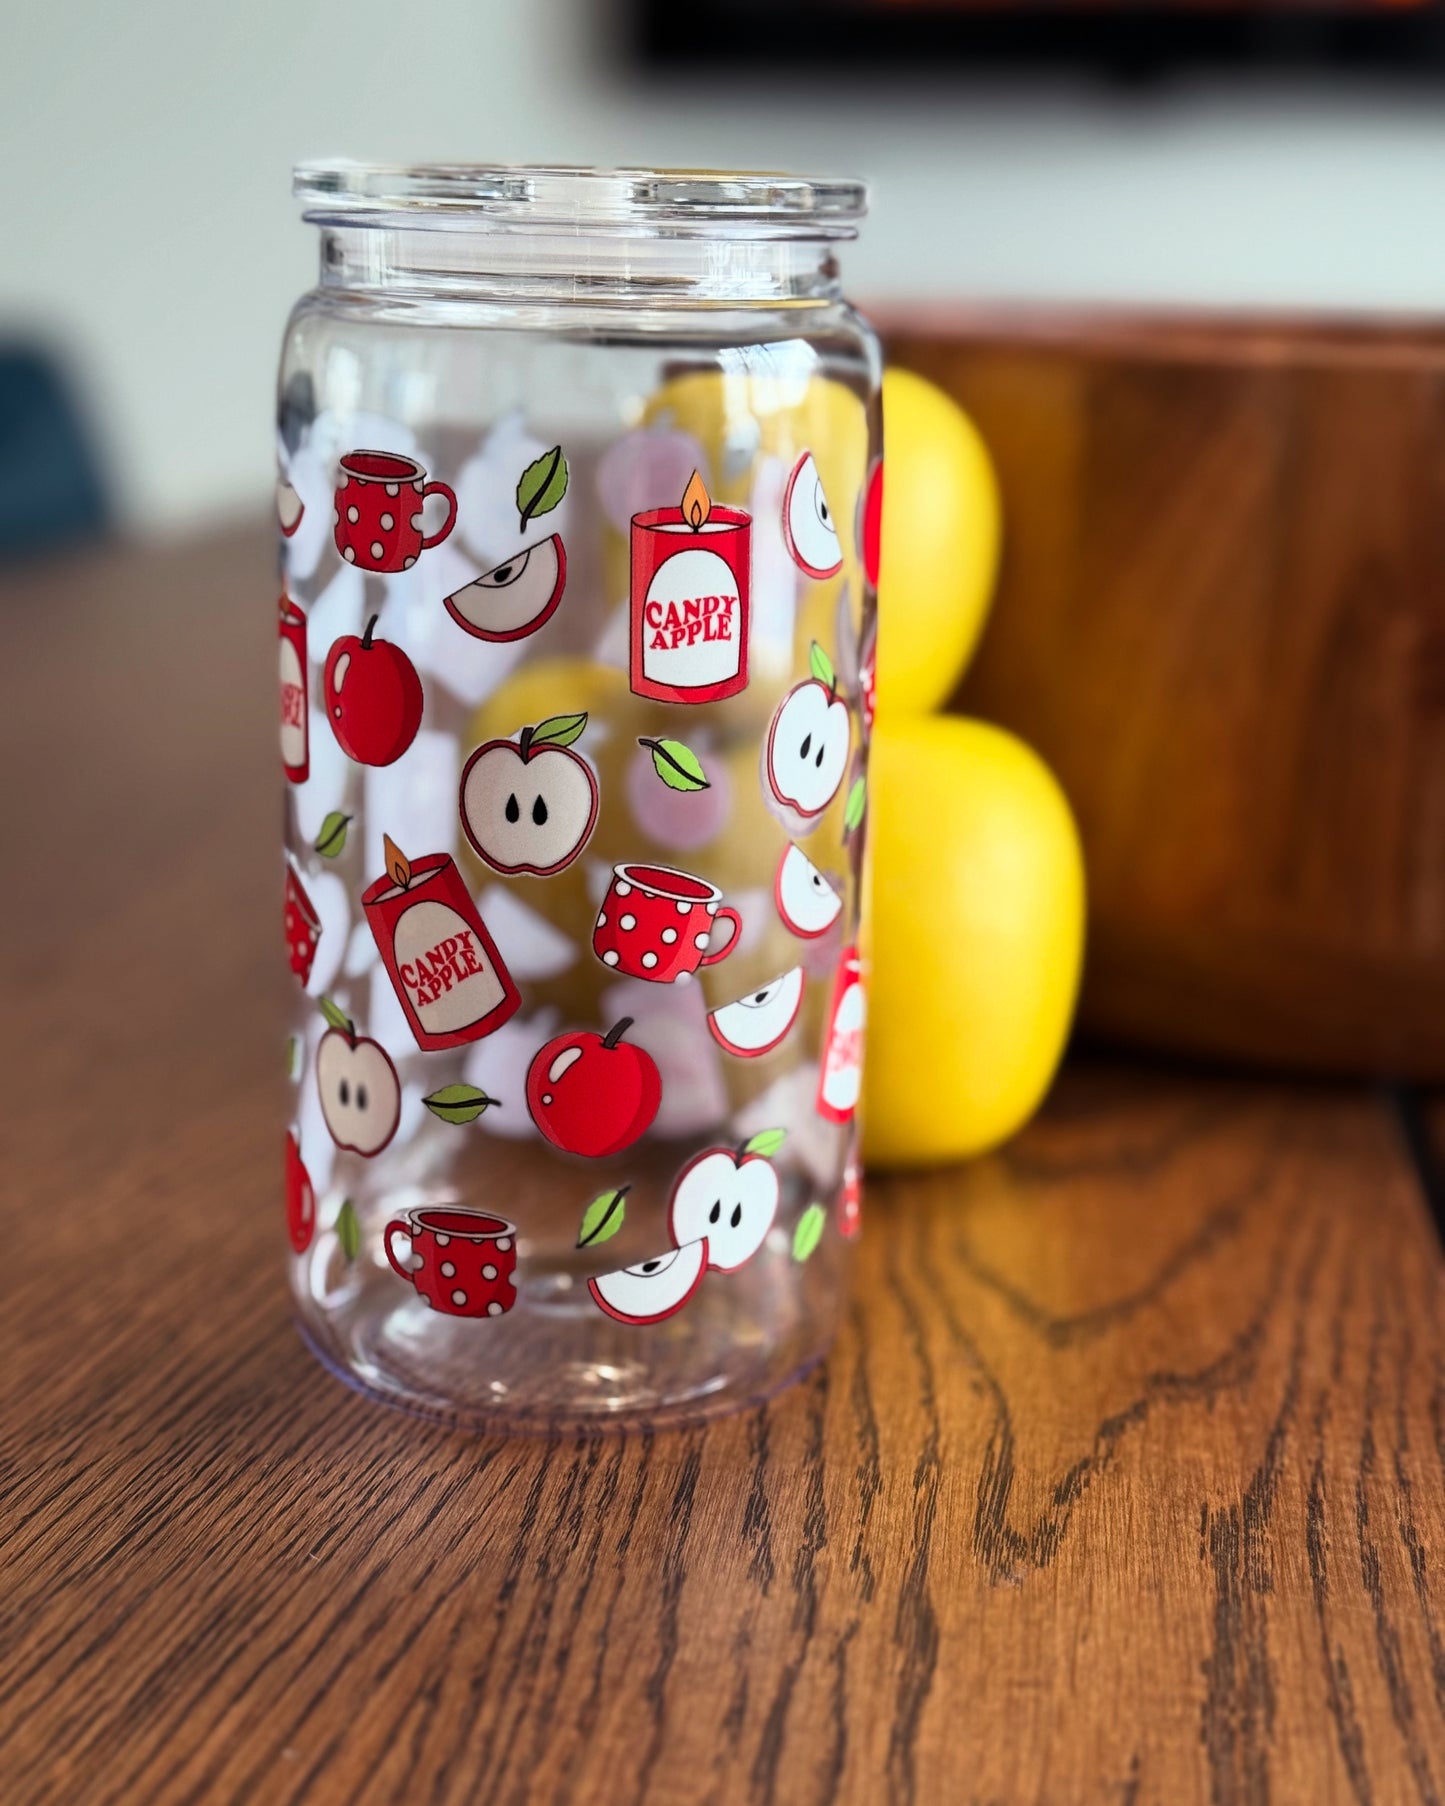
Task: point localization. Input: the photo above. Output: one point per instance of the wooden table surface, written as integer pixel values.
(1123, 1484)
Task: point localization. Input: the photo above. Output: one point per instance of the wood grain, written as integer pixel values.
(1124, 1483)
(1221, 619)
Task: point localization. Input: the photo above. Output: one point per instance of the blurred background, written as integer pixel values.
(1209, 155)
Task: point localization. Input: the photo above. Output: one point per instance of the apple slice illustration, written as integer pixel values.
(809, 740)
(593, 1094)
(358, 1087)
(514, 598)
(653, 1289)
(530, 804)
(808, 522)
(806, 901)
(727, 1201)
(757, 1023)
(289, 507)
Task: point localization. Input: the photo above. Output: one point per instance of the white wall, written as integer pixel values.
(147, 223)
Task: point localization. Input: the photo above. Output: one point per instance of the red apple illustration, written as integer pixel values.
(303, 925)
(514, 598)
(653, 1289)
(300, 1197)
(870, 523)
(530, 804)
(373, 698)
(593, 1094)
(360, 1092)
(808, 742)
(808, 522)
(727, 1199)
(759, 1022)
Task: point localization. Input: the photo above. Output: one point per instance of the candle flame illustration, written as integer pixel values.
(397, 863)
(696, 502)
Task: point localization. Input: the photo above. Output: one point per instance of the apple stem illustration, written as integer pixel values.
(524, 743)
(616, 1032)
(366, 636)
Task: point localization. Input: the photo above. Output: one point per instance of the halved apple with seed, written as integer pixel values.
(806, 901)
(757, 1023)
(653, 1289)
(808, 522)
(289, 507)
(514, 598)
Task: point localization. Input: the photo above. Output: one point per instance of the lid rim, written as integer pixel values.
(576, 199)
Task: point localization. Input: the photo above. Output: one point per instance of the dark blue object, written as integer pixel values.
(51, 494)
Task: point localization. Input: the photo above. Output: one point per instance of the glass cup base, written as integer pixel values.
(555, 1364)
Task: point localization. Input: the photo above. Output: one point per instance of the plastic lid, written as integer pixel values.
(560, 198)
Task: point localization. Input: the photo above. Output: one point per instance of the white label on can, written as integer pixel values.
(691, 626)
(293, 709)
(843, 1067)
(449, 980)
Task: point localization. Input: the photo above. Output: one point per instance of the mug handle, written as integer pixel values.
(710, 958)
(435, 539)
(398, 1223)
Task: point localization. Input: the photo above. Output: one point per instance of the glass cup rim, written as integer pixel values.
(576, 199)
(666, 881)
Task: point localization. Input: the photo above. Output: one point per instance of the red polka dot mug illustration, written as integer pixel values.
(379, 502)
(461, 1261)
(660, 924)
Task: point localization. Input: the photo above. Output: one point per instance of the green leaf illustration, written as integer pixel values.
(677, 765)
(335, 1015)
(822, 666)
(603, 1217)
(809, 1231)
(543, 484)
(459, 1103)
(348, 1229)
(293, 1057)
(559, 730)
(332, 838)
(857, 802)
(766, 1142)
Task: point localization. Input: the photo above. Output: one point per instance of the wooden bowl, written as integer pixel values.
(1221, 620)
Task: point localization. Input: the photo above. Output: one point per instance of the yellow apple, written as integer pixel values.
(941, 530)
(975, 937)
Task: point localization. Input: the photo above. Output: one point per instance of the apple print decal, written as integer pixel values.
(840, 1079)
(727, 1201)
(653, 1289)
(303, 926)
(808, 522)
(530, 804)
(850, 1198)
(806, 901)
(759, 1022)
(593, 1094)
(807, 749)
(514, 598)
(373, 698)
(300, 1196)
(289, 506)
(870, 523)
(357, 1083)
(295, 739)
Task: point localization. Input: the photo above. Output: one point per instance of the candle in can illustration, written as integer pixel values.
(443, 964)
(691, 567)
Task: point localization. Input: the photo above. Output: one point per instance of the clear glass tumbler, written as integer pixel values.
(579, 490)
